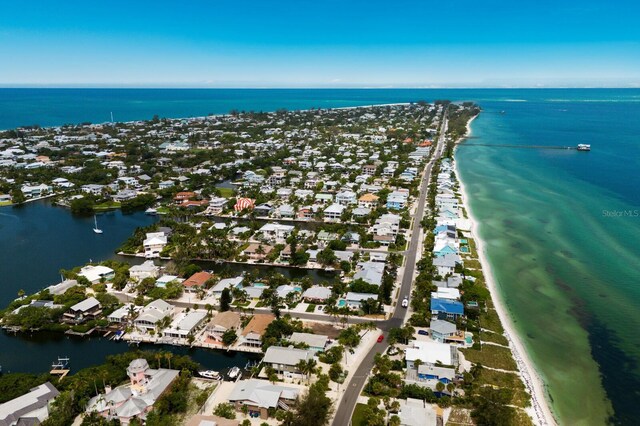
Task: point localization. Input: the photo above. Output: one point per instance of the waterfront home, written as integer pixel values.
(196, 281)
(276, 231)
(88, 309)
(444, 308)
(415, 412)
(153, 244)
(62, 287)
(285, 360)
(223, 322)
(153, 313)
(123, 314)
(38, 304)
(144, 270)
(446, 293)
(286, 289)
(124, 195)
(323, 198)
(216, 206)
(93, 189)
(286, 211)
(254, 330)
(32, 408)
(429, 353)
(315, 342)
(446, 264)
(354, 300)
(317, 294)
(257, 252)
(136, 398)
(253, 292)
(334, 212)
(229, 283)
(263, 210)
(305, 212)
(35, 191)
(428, 372)
(441, 330)
(185, 324)
(260, 397)
(96, 274)
(183, 196)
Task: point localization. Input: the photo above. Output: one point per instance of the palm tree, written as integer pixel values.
(311, 365)
(158, 358)
(417, 363)
(440, 387)
(21, 293)
(451, 387)
(168, 356)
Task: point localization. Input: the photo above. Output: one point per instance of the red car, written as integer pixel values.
(381, 338)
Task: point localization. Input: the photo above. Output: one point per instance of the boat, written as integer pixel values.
(151, 211)
(95, 228)
(584, 147)
(234, 373)
(209, 374)
(118, 336)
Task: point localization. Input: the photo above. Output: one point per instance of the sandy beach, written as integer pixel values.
(540, 410)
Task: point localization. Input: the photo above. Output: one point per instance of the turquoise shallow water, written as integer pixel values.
(561, 227)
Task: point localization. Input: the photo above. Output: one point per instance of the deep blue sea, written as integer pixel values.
(561, 227)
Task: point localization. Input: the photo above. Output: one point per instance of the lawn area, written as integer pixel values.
(506, 380)
(5, 203)
(472, 264)
(107, 205)
(311, 308)
(491, 356)
(358, 415)
(226, 192)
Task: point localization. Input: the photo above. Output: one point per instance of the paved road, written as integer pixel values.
(350, 397)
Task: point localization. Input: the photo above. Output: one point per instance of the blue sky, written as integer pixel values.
(273, 43)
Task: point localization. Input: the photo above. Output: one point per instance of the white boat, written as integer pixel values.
(95, 228)
(151, 211)
(234, 373)
(584, 147)
(209, 374)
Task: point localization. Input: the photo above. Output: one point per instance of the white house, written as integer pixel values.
(153, 313)
(154, 244)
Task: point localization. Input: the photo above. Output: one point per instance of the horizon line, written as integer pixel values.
(154, 87)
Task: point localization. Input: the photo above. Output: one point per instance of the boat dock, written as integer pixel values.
(60, 368)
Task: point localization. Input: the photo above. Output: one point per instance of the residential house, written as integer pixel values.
(185, 324)
(450, 309)
(254, 330)
(334, 212)
(196, 281)
(430, 353)
(346, 198)
(315, 342)
(97, 273)
(446, 264)
(317, 294)
(257, 252)
(229, 283)
(223, 322)
(144, 270)
(136, 398)
(285, 360)
(415, 412)
(354, 300)
(88, 309)
(32, 408)
(276, 231)
(153, 313)
(368, 200)
(153, 244)
(260, 397)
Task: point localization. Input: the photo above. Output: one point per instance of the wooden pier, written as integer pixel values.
(61, 373)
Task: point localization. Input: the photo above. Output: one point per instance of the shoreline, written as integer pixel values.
(540, 409)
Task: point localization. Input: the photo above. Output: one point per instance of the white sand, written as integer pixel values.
(540, 410)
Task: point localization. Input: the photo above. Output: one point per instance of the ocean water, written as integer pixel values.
(561, 227)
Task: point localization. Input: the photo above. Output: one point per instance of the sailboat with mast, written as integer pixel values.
(95, 227)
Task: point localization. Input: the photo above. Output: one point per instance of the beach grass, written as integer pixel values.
(460, 417)
(492, 356)
(510, 381)
(490, 320)
(488, 336)
(5, 203)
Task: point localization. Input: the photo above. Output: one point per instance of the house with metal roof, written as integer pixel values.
(83, 311)
(31, 408)
(285, 360)
(316, 342)
(259, 396)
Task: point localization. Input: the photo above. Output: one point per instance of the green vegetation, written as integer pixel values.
(491, 356)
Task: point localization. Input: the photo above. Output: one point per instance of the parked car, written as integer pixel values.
(380, 338)
(423, 332)
(405, 302)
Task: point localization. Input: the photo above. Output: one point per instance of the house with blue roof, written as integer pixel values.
(450, 309)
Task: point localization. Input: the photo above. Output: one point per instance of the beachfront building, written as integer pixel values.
(136, 398)
(447, 309)
(260, 396)
(429, 353)
(31, 408)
